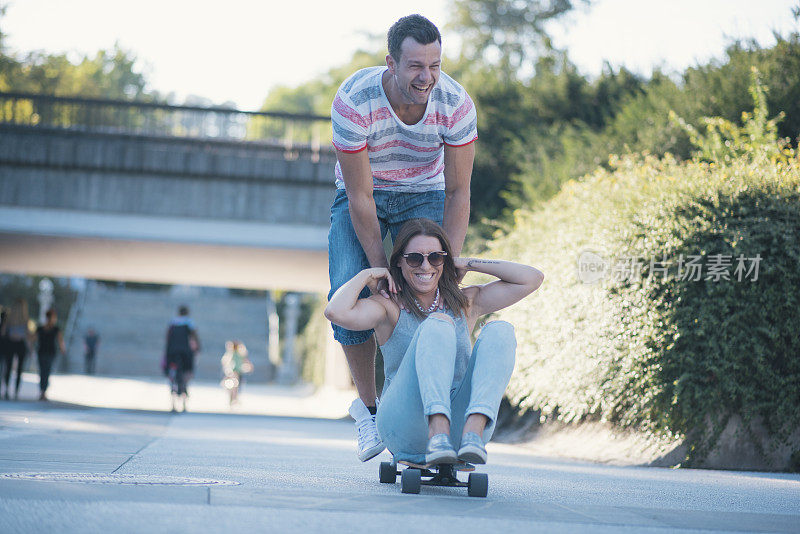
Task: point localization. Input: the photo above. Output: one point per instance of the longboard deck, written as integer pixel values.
(463, 467)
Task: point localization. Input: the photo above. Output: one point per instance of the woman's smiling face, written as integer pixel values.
(425, 278)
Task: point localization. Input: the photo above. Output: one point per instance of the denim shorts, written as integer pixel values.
(346, 258)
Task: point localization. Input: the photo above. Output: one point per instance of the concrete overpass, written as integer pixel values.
(168, 194)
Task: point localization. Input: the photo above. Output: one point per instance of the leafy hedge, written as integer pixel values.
(660, 352)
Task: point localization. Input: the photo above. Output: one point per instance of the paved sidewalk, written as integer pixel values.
(147, 393)
(68, 467)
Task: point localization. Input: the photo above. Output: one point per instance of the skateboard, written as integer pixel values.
(413, 477)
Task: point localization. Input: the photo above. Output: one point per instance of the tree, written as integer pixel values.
(313, 97)
(317, 95)
(6, 63)
(109, 74)
(506, 32)
(537, 133)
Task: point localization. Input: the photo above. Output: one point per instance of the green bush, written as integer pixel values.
(311, 339)
(656, 351)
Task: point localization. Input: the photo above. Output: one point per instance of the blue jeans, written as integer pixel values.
(346, 258)
(423, 386)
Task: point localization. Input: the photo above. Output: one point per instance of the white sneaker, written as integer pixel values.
(369, 442)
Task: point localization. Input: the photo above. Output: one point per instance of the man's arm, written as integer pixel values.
(458, 162)
(357, 176)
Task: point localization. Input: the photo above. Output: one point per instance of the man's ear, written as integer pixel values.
(390, 62)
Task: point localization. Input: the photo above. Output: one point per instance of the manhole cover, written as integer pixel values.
(139, 480)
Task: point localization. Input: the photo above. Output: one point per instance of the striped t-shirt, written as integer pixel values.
(403, 158)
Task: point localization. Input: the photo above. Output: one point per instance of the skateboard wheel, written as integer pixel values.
(478, 484)
(387, 473)
(410, 480)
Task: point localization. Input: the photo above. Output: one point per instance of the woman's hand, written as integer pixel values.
(376, 276)
(462, 267)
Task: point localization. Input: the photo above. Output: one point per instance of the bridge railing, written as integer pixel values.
(291, 130)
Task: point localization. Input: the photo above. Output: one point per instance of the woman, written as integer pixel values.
(441, 396)
(15, 329)
(235, 363)
(49, 340)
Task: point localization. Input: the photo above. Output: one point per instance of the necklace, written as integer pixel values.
(432, 307)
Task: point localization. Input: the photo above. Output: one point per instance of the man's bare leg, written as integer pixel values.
(361, 360)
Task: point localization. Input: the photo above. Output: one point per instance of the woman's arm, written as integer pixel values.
(348, 311)
(516, 281)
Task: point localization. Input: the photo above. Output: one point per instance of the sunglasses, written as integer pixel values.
(415, 259)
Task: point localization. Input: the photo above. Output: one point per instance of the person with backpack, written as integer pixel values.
(182, 345)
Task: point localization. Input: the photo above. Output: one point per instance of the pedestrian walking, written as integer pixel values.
(91, 342)
(49, 339)
(235, 364)
(404, 136)
(17, 334)
(182, 345)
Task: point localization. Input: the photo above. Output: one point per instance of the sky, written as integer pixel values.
(238, 50)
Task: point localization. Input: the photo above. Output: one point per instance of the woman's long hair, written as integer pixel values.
(448, 283)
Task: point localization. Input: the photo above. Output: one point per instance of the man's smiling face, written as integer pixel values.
(417, 71)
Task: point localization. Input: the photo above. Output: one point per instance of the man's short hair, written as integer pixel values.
(183, 310)
(415, 26)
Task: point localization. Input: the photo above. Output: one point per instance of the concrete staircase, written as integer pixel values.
(132, 325)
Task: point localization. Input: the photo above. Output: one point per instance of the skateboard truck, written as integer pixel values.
(413, 477)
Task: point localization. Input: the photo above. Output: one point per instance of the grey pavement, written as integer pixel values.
(70, 467)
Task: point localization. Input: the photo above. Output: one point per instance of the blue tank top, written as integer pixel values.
(395, 347)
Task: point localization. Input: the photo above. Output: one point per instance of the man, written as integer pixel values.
(182, 344)
(404, 142)
(49, 340)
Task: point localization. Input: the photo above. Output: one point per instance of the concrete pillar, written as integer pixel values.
(273, 334)
(45, 298)
(288, 371)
